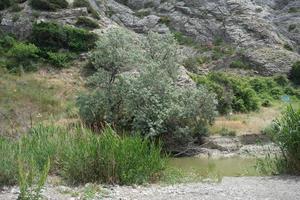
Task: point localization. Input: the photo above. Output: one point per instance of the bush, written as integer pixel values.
(239, 64)
(148, 102)
(295, 72)
(49, 5)
(21, 56)
(233, 93)
(286, 133)
(59, 60)
(5, 4)
(52, 36)
(87, 23)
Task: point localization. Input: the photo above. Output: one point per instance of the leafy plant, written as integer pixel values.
(286, 133)
(21, 56)
(148, 102)
(59, 60)
(52, 36)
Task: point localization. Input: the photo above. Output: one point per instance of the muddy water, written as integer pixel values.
(204, 167)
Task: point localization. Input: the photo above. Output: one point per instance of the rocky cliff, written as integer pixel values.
(263, 33)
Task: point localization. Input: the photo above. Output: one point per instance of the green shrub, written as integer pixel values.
(292, 27)
(21, 56)
(286, 133)
(54, 37)
(239, 64)
(86, 22)
(182, 39)
(295, 72)
(49, 5)
(288, 47)
(150, 102)
(294, 10)
(5, 4)
(59, 60)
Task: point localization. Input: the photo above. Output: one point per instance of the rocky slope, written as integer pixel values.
(265, 34)
(261, 30)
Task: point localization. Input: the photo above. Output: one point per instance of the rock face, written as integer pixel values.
(20, 23)
(266, 32)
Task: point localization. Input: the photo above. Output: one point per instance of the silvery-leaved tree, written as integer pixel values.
(134, 89)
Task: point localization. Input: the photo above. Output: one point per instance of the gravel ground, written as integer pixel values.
(231, 188)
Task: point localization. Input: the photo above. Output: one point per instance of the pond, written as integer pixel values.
(205, 167)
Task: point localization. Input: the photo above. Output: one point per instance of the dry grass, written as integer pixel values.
(35, 97)
(249, 123)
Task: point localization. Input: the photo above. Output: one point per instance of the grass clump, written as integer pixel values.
(285, 132)
(79, 156)
(110, 158)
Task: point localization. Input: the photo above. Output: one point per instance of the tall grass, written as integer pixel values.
(81, 156)
(285, 132)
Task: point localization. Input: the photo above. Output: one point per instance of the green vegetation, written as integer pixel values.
(86, 22)
(295, 72)
(285, 132)
(79, 156)
(31, 180)
(49, 5)
(5, 4)
(244, 94)
(294, 10)
(150, 102)
(52, 36)
(59, 60)
(21, 56)
(239, 64)
(51, 43)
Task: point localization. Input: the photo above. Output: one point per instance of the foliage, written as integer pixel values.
(53, 36)
(21, 56)
(5, 4)
(59, 60)
(295, 72)
(109, 158)
(49, 5)
(86, 22)
(7, 162)
(148, 101)
(182, 39)
(244, 94)
(239, 64)
(286, 133)
(31, 180)
(79, 156)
